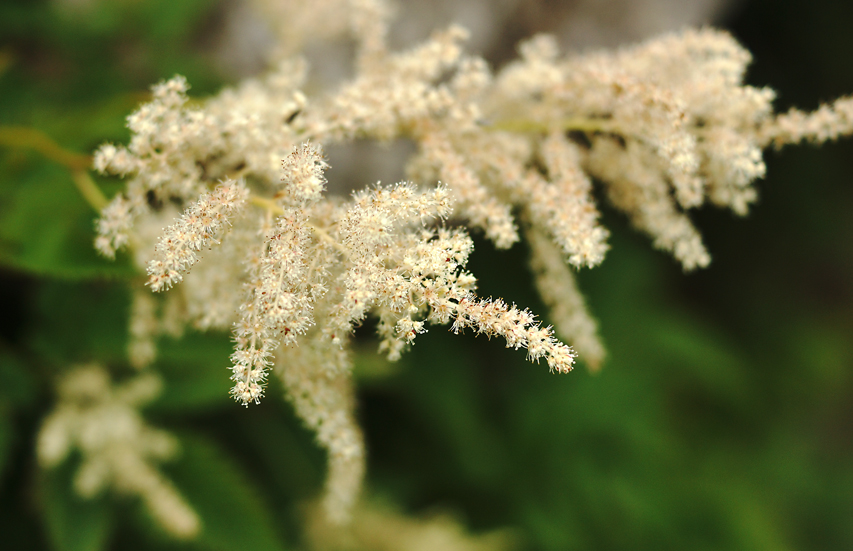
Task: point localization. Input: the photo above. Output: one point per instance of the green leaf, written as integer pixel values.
(46, 227)
(6, 438)
(172, 20)
(195, 372)
(79, 322)
(73, 523)
(17, 387)
(232, 512)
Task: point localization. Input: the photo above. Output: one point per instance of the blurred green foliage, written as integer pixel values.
(723, 417)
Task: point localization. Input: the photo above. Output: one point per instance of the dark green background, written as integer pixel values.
(723, 417)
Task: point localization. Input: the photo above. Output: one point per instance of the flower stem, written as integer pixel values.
(78, 164)
(271, 206)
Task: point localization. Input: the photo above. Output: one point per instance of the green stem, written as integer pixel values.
(30, 138)
(78, 164)
(89, 190)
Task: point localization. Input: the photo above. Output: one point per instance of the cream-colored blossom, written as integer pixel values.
(483, 210)
(662, 127)
(636, 186)
(564, 206)
(119, 449)
(178, 248)
(559, 290)
(378, 527)
(828, 122)
(142, 329)
(518, 327)
(318, 385)
(114, 225)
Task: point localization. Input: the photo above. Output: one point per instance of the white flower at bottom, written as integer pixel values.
(119, 450)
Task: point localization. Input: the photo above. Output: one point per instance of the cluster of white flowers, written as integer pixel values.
(119, 450)
(377, 527)
(663, 127)
(177, 250)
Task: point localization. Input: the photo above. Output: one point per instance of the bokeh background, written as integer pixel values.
(722, 418)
